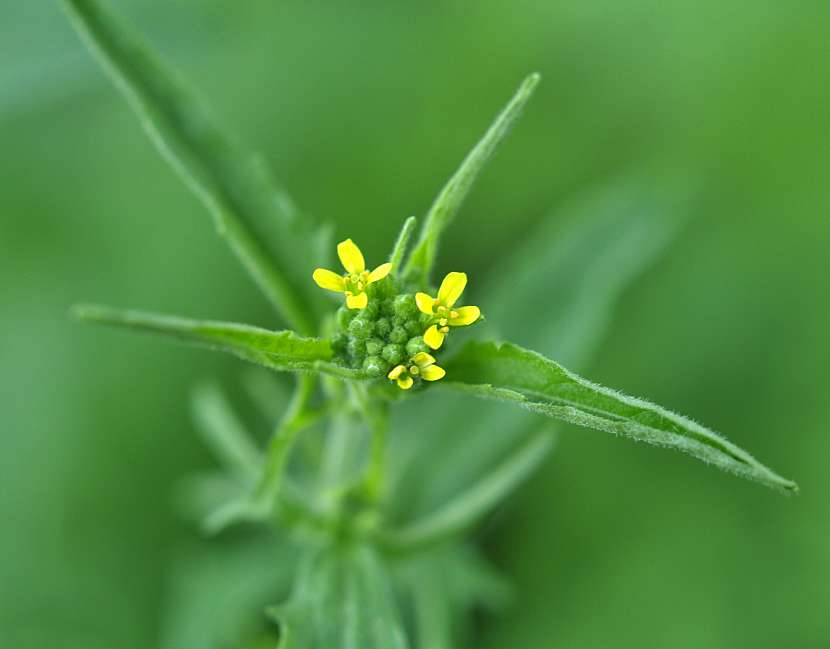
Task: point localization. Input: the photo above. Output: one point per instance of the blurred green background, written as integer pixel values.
(363, 112)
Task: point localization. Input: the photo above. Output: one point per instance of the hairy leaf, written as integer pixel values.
(449, 201)
(276, 350)
(255, 216)
(509, 373)
(581, 259)
(342, 598)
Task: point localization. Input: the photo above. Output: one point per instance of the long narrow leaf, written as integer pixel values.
(509, 373)
(277, 350)
(462, 512)
(248, 208)
(448, 202)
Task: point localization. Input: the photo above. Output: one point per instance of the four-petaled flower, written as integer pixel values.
(441, 309)
(354, 282)
(421, 364)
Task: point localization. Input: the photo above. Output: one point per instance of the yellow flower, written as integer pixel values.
(442, 311)
(356, 278)
(422, 364)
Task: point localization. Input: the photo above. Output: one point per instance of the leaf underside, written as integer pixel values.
(509, 373)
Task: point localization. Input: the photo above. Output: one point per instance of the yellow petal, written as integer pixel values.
(433, 338)
(433, 373)
(466, 315)
(396, 372)
(357, 301)
(451, 288)
(329, 280)
(422, 359)
(424, 302)
(351, 257)
(405, 382)
(380, 272)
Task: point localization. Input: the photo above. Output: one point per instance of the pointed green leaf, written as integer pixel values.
(509, 373)
(225, 434)
(399, 250)
(256, 217)
(342, 599)
(449, 201)
(582, 259)
(463, 511)
(282, 351)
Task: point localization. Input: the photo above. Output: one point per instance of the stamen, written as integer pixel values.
(414, 370)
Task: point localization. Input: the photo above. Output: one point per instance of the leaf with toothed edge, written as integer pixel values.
(508, 373)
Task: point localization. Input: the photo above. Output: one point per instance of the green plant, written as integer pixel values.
(371, 536)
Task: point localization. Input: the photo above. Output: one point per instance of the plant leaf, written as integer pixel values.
(342, 599)
(282, 351)
(225, 434)
(399, 249)
(509, 373)
(581, 258)
(581, 264)
(463, 511)
(248, 208)
(448, 202)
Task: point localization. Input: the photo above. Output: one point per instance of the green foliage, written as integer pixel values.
(365, 555)
(509, 373)
(451, 197)
(342, 598)
(260, 222)
(277, 350)
(461, 513)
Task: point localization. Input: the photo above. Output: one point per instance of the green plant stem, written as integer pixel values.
(376, 416)
(282, 441)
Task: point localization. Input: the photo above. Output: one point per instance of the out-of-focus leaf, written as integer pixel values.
(342, 598)
(218, 592)
(554, 293)
(276, 350)
(261, 224)
(446, 584)
(225, 434)
(465, 509)
(509, 373)
(449, 201)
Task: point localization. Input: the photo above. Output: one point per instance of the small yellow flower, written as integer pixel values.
(356, 278)
(442, 311)
(422, 364)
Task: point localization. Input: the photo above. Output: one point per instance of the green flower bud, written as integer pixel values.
(398, 335)
(361, 327)
(344, 317)
(413, 327)
(374, 365)
(374, 346)
(394, 353)
(415, 345)
(383, 327)
(405, 306)
(356, 349)
(371, 310)
(388, 307)
(339, 342)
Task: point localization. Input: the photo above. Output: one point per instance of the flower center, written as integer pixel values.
(414, 370)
